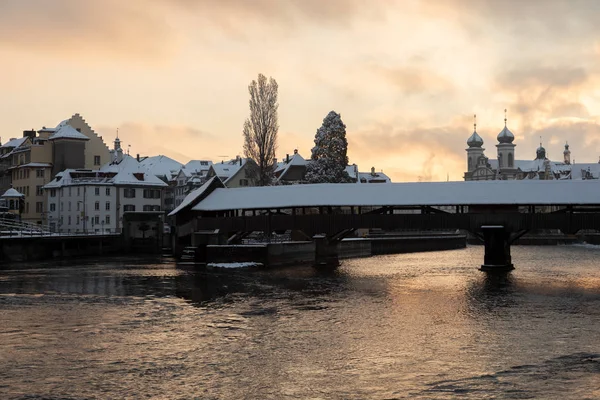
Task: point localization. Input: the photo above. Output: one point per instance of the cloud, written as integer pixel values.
(180, 142)
(412, 154)
(415, 80)
(78, 29)
(556, 20)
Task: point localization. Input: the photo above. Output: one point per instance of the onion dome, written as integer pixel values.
(505, 136)
(475, 140)
(540, 153)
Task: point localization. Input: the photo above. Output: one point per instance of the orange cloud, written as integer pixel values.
(85, 30)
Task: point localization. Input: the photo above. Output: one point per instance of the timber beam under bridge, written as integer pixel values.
(497, 230)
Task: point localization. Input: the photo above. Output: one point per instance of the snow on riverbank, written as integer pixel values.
(234, 265)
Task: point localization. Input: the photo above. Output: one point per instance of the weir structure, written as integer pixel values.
(497, 212)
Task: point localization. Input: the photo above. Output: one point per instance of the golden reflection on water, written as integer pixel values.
(403, 326)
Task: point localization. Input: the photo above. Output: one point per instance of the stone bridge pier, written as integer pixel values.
(497, 242)
(326, 252)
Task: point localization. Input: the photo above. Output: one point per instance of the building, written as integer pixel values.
(507, 167)
(234, 173)
(11, 203)
(292, 170)
(84, 200)
(166, 169)
(35, 159)
(6, 151)
(190, 177)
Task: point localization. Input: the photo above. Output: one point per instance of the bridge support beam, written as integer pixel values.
(326, 253)
(497, 249)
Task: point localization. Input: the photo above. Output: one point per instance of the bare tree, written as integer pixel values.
(260, 129)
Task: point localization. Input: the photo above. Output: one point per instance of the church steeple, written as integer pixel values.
(567, 154)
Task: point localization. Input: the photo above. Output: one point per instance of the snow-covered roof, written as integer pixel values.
(161, 165)
(68, 132)
(376, 176)
(579, 170)
(195, 166)
(553, 192)
(14, 142)
(12, 193)
(296, 160)
(555, 167)
(227, 170)
(33, 165)
(127, 172)
(193, 195)
(352, 170)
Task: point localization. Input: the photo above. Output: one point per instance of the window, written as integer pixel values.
(27, 190)
(38, 190)
(97, 205)
(129, 207)
(52, 192)
(39, 173)
(78, 191)
(52, 206)
(69, 220)
(77, 220)
(108, 191)
(129, 193)
(147, 207)
(97, 191)
(107, 219)
(107, 206)
(70, 191)
(97, 219)
(39, 207)
(243, 182)
(78, 206)
(151, 194)
(510, 160)
(96, 160)
(62, 206)
(27, 207)
(27, 173)
(69, 206)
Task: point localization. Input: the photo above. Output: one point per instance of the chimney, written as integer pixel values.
(287, 158)
(137, 157)
(295, 151)
(240, 161)
(373, 171)
(30, 134)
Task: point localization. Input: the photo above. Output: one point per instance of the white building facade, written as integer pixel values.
(84, 201)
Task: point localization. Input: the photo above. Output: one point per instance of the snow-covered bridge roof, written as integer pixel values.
(552, 192)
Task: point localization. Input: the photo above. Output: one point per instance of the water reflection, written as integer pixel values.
(426, 325)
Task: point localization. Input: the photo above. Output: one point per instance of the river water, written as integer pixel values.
(423, 325)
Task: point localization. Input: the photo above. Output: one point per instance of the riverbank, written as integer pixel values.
(295, 253)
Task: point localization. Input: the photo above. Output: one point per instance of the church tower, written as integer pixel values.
(506, 152)
(567, 154)
(475, 150)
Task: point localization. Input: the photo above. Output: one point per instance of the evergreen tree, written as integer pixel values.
(329, 156)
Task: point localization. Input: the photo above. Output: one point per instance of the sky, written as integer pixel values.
(406, 76)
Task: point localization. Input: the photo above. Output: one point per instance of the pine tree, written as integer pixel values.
(329, 156)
